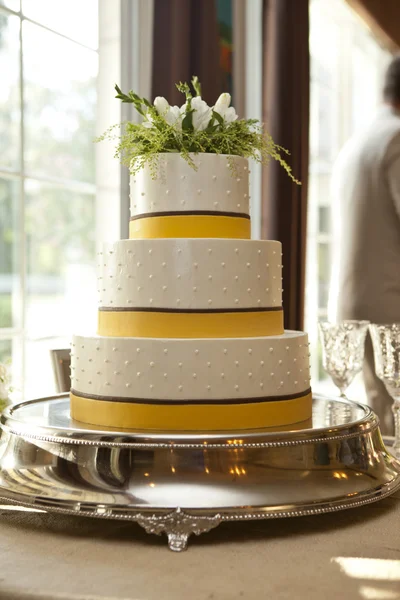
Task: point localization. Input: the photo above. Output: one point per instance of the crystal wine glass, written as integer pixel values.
(386, 344)
(343, 347)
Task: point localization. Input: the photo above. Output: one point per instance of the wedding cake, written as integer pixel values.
(190, 321)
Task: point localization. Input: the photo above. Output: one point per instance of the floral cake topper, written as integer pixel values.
(190, 129)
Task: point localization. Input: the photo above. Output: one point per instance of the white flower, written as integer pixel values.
(228, 113)
(171, 114)
(4, 382)
(201, 115)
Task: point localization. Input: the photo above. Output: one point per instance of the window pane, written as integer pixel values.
(60, 99)
(9, 236)
(10, 113)
(75, 19)
(5, 350)
(13, 4)
(61, 276)
(324, 219)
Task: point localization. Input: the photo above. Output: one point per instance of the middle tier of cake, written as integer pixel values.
(190, 288)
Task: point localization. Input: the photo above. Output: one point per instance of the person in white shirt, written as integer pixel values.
(366, 208)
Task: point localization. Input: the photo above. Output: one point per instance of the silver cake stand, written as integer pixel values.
(179, 484)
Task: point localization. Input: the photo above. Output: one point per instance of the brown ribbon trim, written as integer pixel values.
(192, 402)
(195, 311)
(178, 213)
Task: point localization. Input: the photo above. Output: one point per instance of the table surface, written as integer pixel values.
(348, 555)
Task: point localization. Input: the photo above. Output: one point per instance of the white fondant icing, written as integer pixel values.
(167, 364)
(165, 277)
(180, 187)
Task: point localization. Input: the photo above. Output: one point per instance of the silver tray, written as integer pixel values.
(181, 484)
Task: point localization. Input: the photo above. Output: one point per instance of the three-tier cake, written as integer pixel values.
(190, 329)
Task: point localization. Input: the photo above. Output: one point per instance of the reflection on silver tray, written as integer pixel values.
(188, 483)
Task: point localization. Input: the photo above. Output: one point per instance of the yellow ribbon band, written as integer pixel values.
(190, 226)
(195, 417)
(151, 324)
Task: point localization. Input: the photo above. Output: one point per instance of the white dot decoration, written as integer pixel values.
(114, 349)
(178, 276)
(183, 177)
(165, 375)
(116, 373)
(137, 350)
(127, 385)
(167, 192)
(228, 192)
(138, 374)
(295, 360)
(287, 348)
(225, 290)
(199, 192)
(164, 287)
(236, 250)
(165, 350)
(258, 301)
(250, 351)
(127, 362)
(151, 386)
(258, 276)
(223, 265)
(209, 301)
(208, 388)
(236, 277)
(196, 351)
(179, 250)
(222, 375)
(288, 373)
(236, 300)
(98, 372)
(164, 264)
(195, 265)
(249, 290)
(209, 250)
(216, 204)
(180, 365)
(208, 364)
(194, 288)
(238, 179)
(210, 277)
(105, 360)
(139, 264)
(236, 363)
(272, 374)
(258, 251)
(262, 363)
(152, 363)
(214, 177)
(236, 387)
(107, 383)
(150, 251)
(225, 351)
(296, 382)
(261, 385)
(180, 387)
(194, 375)
(139, 288)
(150, 276)
(250, 374)
(280, 361)
(238, 205)
(178, 301)
(248, 265)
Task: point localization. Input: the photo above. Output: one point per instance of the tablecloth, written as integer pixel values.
(345, 555)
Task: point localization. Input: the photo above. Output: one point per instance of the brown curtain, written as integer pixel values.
(383, 18)
(286, 83)
(185, 43)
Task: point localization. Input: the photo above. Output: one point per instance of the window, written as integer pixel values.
(347, 65)
(48, 62)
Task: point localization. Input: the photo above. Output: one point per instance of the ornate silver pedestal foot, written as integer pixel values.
(178, 526)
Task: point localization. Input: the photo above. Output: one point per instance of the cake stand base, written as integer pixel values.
(185, 483)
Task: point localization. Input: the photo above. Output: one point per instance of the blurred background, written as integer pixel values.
(311, 71)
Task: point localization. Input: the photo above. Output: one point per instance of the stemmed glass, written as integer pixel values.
(386, 344)
(343, 347)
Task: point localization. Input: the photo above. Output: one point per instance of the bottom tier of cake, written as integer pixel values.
(191, 384)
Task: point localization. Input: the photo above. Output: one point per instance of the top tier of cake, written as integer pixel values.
(208, 201)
